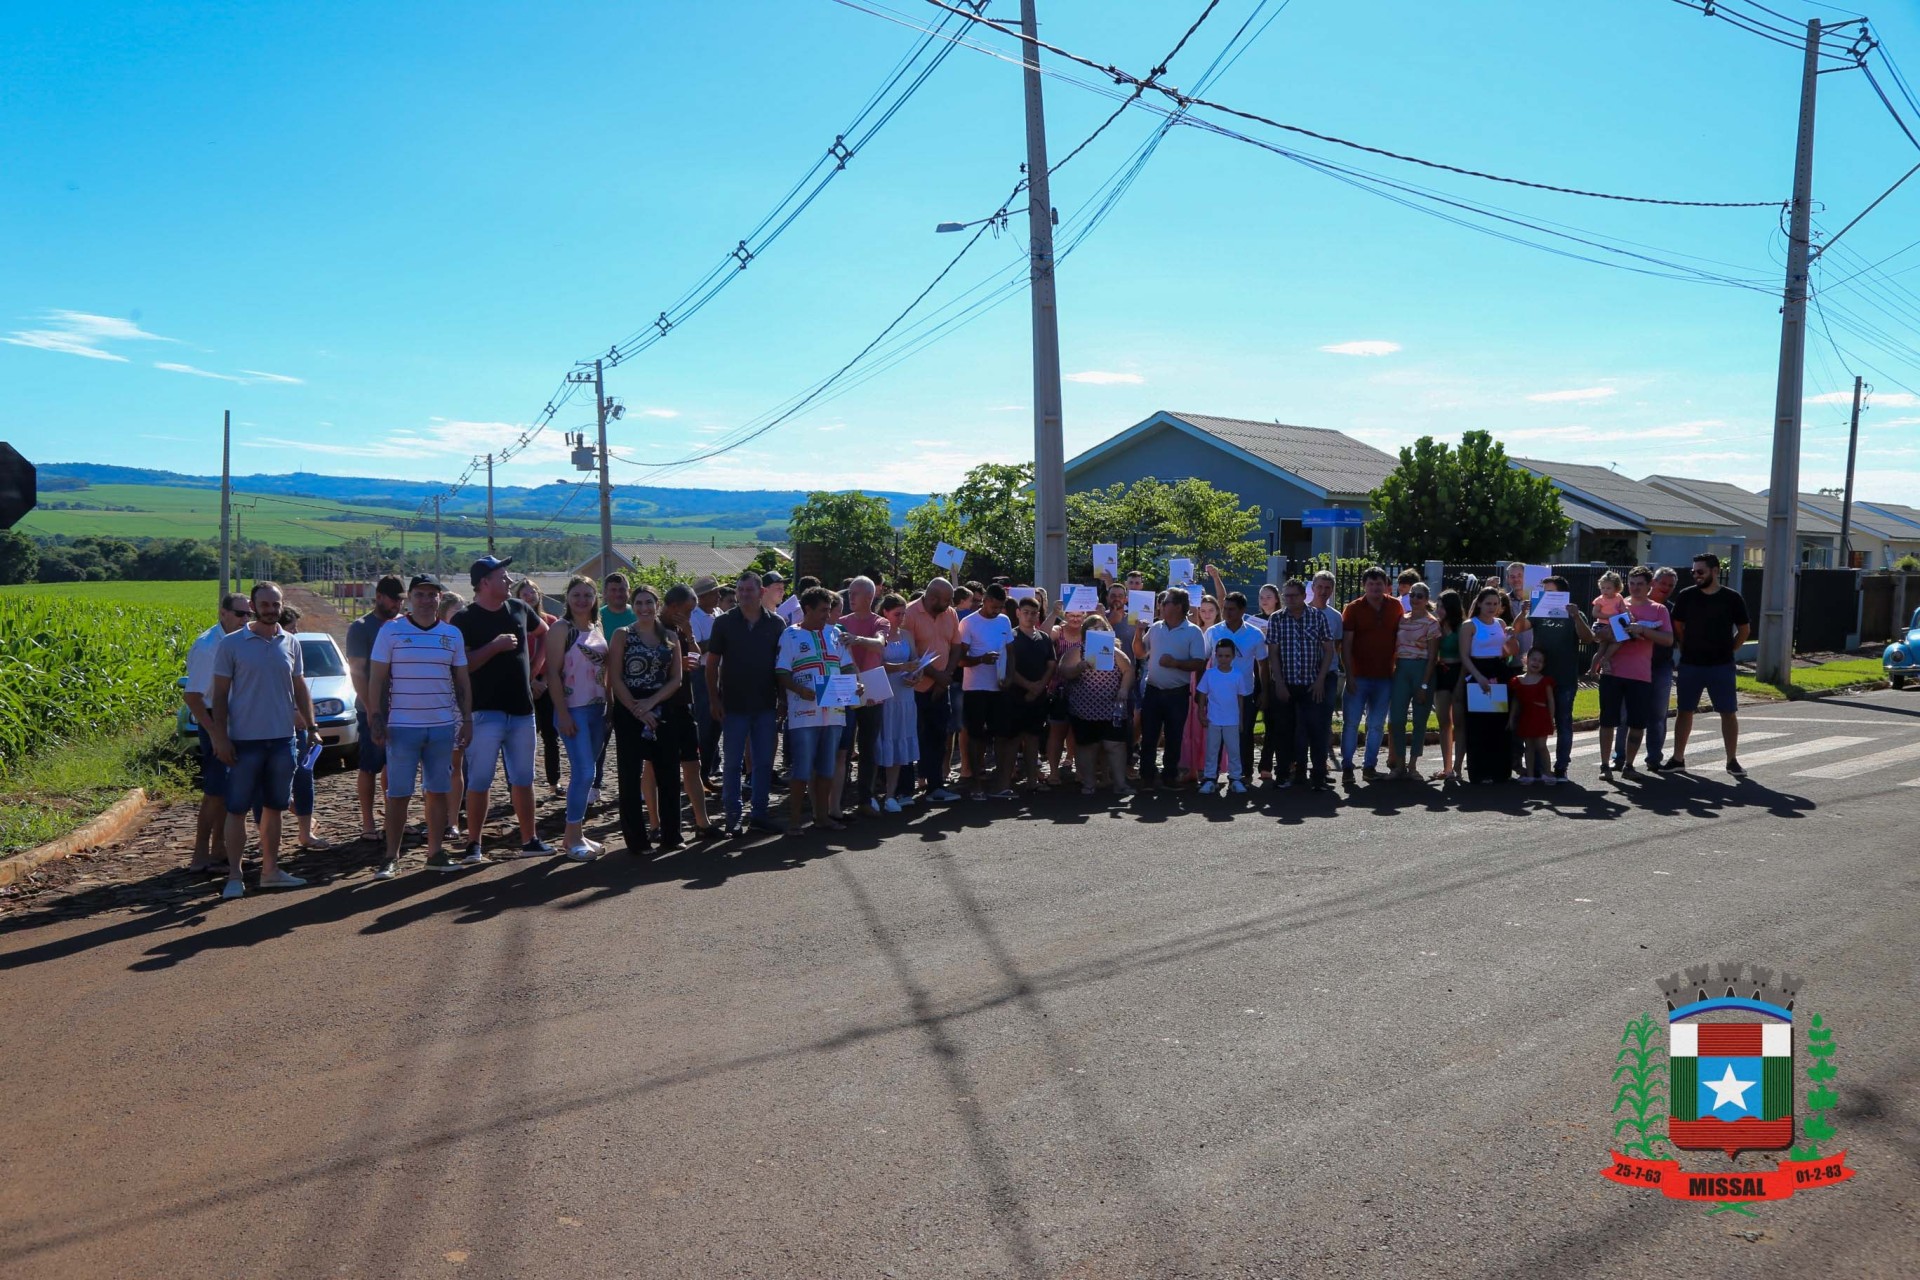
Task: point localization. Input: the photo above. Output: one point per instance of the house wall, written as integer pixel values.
(1677, 548)
(1169, 455)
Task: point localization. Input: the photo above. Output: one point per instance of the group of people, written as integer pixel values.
(866, 699)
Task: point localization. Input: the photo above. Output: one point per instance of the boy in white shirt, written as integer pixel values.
(1218, 691)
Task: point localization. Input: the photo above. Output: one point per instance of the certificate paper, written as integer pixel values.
(1551, 604)
(1021, 593)
(1477, 700)
(1140, 606)
(1536, 574)
(947, 556)
(1098, 646)
(841, 691)
(1179, 571)
(876, 685)
(1106, 559)
(1079, 599)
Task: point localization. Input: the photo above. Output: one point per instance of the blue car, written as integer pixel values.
(1902, 658)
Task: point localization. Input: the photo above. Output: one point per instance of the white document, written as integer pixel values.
(1022, 593)
(1098, 646)
(841, 691)
(920, 665)
(1179, 571)
(1106, 559)
(1536, 574)
(1479, 700)
(1619, 623)
(1551, 604)
(1079, 599)
(1140, 606)
(876, 686)
(946, 556)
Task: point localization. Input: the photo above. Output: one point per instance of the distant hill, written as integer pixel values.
(741, 509)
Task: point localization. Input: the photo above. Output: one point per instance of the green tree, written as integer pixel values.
(1153, 521)
(175, 560)
(851, 532)
(989, 516)
(1464, 506)
(19, 558)
(769, 559)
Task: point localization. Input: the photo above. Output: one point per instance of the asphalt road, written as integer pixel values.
(1371, 1038)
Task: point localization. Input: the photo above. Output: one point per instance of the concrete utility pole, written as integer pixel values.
(1049, 454)
(489, 504)
(599, 381)
(436, 536)
(226, 504)
(1783, 493)
(1846, 503)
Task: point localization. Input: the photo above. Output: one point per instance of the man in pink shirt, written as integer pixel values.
(935, 627)
(1626, 668)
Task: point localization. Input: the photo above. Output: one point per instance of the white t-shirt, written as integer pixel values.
(420, 663)
(701, 622)
(1222, 690)
(1336, 628)
(982, 634)
(1250, 646)
(200, 662)
(810, 657)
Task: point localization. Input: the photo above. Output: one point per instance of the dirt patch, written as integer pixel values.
(317, 612)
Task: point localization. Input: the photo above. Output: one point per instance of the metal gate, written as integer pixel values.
(1826, 610)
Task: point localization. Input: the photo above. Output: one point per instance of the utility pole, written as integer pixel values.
(436, 535)
(1783, 493)
(226, 504)
(599, 381)
(1846, 503)
(1049, 453)
(238, 541)
(489, 504)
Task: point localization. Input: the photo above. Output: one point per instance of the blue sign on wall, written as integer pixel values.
(1333, 518)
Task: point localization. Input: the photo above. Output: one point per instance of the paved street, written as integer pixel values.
(1371, 1037)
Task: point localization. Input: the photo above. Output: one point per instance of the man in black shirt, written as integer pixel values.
(500, 632)
(740, 655)
(1710, 623)
(388, 600)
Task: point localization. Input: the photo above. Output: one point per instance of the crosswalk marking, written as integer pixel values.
(1914, 783)
(1814, 746)
(1862, 764)
(1588, 743)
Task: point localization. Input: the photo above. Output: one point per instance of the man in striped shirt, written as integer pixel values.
(422, 710)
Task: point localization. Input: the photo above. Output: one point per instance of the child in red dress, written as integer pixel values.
(1531, 718)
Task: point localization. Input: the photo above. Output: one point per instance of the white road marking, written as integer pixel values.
(1815, 746)
(1863, 764)
(1877, 722)
(1914, 783)
(1592, 743)
(1700, 746)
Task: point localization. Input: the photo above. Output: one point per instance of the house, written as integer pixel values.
(1819, 536)
(1878, 534)
(1282, 470)
(694, 559)
(592, 567)
(1620, 520)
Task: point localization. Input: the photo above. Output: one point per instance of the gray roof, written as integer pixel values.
(1864, 520)
(1615, 490)
(692, 558)
(1911, 514)
(1751, 508)
(1319, 455)
(1582, 514)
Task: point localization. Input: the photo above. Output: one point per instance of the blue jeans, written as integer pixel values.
(1662, 713)
(373, 756)
(262, 766)
(736, 730)
(423, 749)
(1563, 724)
(583, 748)
(1370, 695)
(1410, 703)
(500, 735)
(933, 712)
(1162, 711)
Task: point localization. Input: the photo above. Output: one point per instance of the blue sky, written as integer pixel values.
(380, 233)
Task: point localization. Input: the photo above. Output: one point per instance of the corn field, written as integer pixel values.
(70, 668)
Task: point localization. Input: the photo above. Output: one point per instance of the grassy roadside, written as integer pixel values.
(64, 788)
(1845, 674)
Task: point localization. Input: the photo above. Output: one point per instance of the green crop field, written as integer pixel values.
(182, 595)
(166, 511)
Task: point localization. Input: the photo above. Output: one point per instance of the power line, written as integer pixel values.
(1187, 100)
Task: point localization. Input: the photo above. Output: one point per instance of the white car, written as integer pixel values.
(334, 704)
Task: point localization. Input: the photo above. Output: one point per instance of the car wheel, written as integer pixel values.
(1898, 682)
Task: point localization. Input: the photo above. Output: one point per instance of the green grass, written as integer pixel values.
(190, 595)
(1845, 674)
(67, 787)
(171, 511)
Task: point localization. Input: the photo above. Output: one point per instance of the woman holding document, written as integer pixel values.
(1486, 655)
(899, 741)
(1098, 679)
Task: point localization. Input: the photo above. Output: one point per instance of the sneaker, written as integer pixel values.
(475, 856)
(1239, 787)
(281, 880)
(593, 797)
(386, 871)
(1371, 774)
(234, 889)
(596, 846)
(581, 853)
(1206, 788)
(940, 795)
(907, 801)
(1005, 793)
(441, 862)
(1733, 767)
(535, 848)
(1676, 764)
(891, 806)
(768, 824)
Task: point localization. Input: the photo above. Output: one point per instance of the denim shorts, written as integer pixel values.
(812, 752)
(423, 749)
(212, 778)
(496, 734)
(1690, 680)
(373, 756)
(262, 769)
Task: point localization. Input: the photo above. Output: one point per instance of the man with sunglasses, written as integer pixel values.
(210, 830)
(1710, 623)
(500, 632)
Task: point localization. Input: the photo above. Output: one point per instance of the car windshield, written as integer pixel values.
(320, 658)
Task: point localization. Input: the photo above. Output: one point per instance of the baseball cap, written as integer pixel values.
(773, 575)
(486, 565)
(704, 583)
(426, 580)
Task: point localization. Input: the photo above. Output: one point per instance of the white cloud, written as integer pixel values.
(1006, 408)
(1368, 347)
(81, 333)
(1102, 378)
(1888, 399)
(170, 367)
(258, 376)
(441, 439)
(1575, 394)
(1587, 435)
(1898, 422)
(659, 413)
